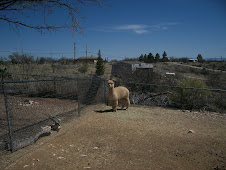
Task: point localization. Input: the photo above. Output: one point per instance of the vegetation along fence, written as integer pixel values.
(181, 97)
(26, 106)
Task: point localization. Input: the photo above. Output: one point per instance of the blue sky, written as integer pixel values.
(125, 28)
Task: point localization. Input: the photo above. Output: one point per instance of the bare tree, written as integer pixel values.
(18, 12)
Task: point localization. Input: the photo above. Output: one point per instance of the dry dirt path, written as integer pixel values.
(200, 68)
(140, 138)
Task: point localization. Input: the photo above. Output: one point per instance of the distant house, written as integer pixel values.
(129, 67)
(89, 59)
(193, 60)
(170, 74)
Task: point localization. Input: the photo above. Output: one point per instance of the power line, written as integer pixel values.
(85, 53)
(39, 52)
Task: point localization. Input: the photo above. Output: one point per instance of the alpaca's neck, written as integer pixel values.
(111, 91)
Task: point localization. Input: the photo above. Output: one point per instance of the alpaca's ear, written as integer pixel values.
(113, 79)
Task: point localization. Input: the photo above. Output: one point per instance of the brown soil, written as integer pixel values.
(23, 113)
(140, 138)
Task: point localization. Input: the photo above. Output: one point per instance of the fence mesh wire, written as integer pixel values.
(3, 121)
(33, 104)
(176, 97)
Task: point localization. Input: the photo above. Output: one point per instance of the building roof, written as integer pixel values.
(87, 58)
(135, 64)
(143, 65)
(173, 74)
(128, 62)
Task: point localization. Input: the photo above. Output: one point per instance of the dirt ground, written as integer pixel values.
(140, 138)
(28, 114)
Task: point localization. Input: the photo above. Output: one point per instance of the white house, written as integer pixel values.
(193, 60)
(129, 67)
(141, 66)
(89, 59)
(170, 74)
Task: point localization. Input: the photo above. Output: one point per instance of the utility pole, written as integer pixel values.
(86, 53)
(74, 52)
(86, 50)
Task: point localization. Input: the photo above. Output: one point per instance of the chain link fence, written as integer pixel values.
(26, 106)
(189, 98)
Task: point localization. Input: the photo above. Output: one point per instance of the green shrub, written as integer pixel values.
(190, 98)
(100, 68)
(204, 71)
(83, 68)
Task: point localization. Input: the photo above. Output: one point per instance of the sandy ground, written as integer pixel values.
(140, 138)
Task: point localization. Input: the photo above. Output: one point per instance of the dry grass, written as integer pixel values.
(53, 70)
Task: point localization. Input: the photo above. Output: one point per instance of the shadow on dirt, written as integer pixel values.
(103, 111)
(106, 111)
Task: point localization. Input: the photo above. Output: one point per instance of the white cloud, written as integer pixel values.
(140, 31)
(131, 27)
(139, 28)
(165, 28)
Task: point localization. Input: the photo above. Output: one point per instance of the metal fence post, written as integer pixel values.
(181, 98)
(79, 107)
(8, 117)
(79, 102)
(54, 86)
(105, 99)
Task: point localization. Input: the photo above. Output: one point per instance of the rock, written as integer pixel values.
(191, 131)
(95, 148)
(56, 127)
(28, 102)
(25, 166)
(46, 128)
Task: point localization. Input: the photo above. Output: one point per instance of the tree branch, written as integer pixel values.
(20, 7)
(5, 5)
(39, 28)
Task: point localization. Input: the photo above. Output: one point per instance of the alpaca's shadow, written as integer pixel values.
(106, 111)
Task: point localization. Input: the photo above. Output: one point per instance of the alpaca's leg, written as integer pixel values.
(110, 103)
(114, 106)
(122, 103)
(127, 103)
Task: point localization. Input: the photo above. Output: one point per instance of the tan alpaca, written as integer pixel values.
(118, 94)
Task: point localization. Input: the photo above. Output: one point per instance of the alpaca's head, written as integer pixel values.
(110, 84)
